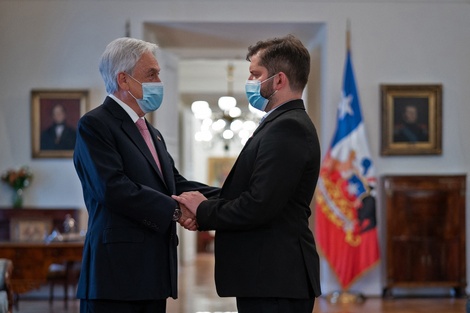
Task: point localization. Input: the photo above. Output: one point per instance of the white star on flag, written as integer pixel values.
(345, 106)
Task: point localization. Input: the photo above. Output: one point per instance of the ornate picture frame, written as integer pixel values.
(218, 169)
(54, 119)
(411, 119)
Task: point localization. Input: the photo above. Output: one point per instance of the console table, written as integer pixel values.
(31, 261)
(22, 234)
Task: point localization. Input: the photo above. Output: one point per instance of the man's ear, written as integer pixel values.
(123, 81)
(281, 81)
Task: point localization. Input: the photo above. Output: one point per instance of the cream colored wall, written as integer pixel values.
(57, 44)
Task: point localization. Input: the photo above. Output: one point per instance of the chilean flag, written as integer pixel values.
(345, 217)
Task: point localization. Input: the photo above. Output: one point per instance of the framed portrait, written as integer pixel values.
(54, 119)
(30, 229)
(218, 169)
(411, 119)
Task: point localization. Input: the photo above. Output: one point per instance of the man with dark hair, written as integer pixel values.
(265, 252)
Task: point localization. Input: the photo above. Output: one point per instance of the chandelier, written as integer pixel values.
(228, 124)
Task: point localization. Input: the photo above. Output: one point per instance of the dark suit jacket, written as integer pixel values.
(130, 246)
(263, 245)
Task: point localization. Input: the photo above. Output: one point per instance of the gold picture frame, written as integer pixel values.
(54, 119)
(218, 170)
(411, 119)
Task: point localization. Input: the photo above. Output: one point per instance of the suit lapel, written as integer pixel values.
(134, 134)
(165, 161)
(291, 105)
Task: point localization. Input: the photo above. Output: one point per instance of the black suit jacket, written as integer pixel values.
(263, 244)
(130, 246)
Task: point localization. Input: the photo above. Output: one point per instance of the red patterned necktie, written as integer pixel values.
(142, 126)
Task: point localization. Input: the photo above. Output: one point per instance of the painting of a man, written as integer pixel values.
(411, 123)
(59, 135)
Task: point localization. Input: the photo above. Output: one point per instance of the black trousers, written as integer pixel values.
(113, 306)
(275, 305)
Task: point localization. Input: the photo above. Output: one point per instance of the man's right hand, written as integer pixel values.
(187, 219)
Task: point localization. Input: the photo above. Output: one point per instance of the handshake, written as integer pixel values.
(189, 202)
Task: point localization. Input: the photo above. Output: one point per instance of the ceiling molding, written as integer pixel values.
(215, 40)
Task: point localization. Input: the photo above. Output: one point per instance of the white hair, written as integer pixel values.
(121, 55)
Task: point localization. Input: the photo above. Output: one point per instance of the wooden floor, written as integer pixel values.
(197, 295)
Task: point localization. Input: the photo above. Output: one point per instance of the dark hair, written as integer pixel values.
(287, 55)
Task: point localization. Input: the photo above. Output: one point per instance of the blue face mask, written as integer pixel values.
(152, 96)
(253, 93)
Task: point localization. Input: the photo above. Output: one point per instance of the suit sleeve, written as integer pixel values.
(106, 177)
